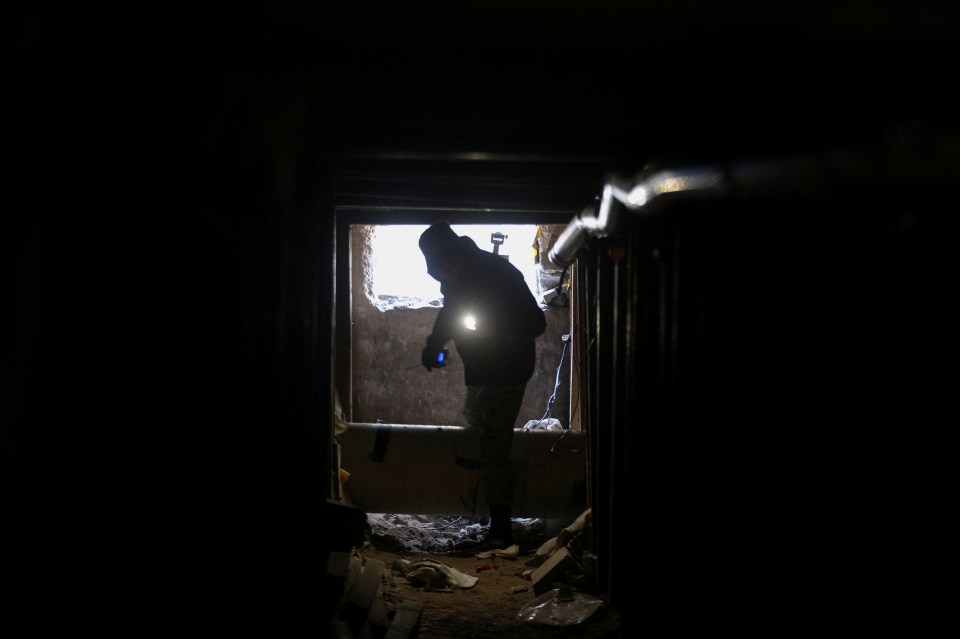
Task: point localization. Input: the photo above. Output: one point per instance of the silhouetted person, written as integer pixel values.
(494, 320)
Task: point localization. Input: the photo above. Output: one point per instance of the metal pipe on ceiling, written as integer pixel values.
(804, 175)
(620, 196)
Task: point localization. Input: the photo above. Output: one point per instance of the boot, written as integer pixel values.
(501, 528)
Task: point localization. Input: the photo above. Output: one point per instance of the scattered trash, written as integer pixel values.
(551, 423)
(568, 537)
(482, 565)
(510, 552)
(433, 574)
(427, 576)
(560, 607)
(518, 589)
(448, 535)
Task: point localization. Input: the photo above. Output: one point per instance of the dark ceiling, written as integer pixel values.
(569, 88)
(607, 84)
(625, 81)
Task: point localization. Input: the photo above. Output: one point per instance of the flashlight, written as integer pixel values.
(470, 323)
(442, 358)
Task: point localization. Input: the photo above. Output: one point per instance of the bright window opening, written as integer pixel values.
(398, 273)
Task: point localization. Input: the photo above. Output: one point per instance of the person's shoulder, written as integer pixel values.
(502, 269)
(485, 264)
(474, 254)
(466, 244)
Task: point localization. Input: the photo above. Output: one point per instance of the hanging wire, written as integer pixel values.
(556, 384)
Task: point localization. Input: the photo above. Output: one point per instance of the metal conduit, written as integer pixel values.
(620, 197)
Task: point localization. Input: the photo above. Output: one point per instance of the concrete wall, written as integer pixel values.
(415, 470)
(386, 343)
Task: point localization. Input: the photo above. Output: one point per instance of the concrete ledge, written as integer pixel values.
(424, 469)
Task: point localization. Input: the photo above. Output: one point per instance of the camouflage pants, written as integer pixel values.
(493, 411)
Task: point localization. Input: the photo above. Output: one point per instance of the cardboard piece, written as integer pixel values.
(554, 569)
(406, 622)
(360, 597)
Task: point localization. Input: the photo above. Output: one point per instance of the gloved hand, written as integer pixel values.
(429, 357)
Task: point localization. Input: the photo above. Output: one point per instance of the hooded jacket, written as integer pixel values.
(501, 350)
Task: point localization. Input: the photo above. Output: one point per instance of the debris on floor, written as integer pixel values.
(410, 580)
(445, 535)
(427, 572)
(561, 606)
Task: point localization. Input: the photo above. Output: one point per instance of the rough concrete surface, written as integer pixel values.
(389, 384)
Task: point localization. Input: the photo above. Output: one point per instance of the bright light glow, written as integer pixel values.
(672, 185)
(638, 196)
(398, 272)
(470, 322)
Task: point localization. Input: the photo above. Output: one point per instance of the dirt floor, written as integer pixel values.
(488, 610)
(497, 606)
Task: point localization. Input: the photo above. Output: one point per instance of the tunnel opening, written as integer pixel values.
(397, 422)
